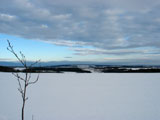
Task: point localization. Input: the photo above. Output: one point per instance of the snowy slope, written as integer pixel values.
(74, 96)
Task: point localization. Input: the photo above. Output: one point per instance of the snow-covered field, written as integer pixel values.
(96, 96)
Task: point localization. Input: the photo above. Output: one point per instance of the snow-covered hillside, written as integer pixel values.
(97, 96)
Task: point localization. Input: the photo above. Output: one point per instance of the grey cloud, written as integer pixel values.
(2, 117)
(109, 25)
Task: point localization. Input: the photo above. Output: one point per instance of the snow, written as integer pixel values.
(96, 96)
(19, 68)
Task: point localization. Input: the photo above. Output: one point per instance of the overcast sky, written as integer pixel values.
(85, 30)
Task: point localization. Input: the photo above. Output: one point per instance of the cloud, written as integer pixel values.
(2, 117)
(117, 52)
(68, 57)
(44, 26)
(6, 17)
(110, 26)
(67, 43)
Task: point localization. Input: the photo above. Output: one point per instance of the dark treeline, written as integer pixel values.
(56, 70)
(123, 70)
(43, 70)
(7, 69)
(70, 68)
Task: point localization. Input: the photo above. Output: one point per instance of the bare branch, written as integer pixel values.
(34, 81)
(26, 79)
(20, 86)
(19, 77)
(29, 77)
(26, 98)
(36, 62)
(10, 48)
(23, 58)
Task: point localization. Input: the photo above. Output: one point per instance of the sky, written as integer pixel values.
(122, 31)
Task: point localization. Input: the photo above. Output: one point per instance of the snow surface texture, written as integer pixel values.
(74, 96)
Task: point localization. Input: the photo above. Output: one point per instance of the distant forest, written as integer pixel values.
(84, 69)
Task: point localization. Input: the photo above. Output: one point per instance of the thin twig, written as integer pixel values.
(27, 78)
(19, 77)
(34, 81)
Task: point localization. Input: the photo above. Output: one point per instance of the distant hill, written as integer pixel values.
(4, 63)
(55, 63)
(52, 63)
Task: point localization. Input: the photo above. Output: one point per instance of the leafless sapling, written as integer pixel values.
(26, 80)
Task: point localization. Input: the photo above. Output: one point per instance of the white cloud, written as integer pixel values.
(62, 16)
(7, 17)
(44, 26)
(119, 52)
(67, 43)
